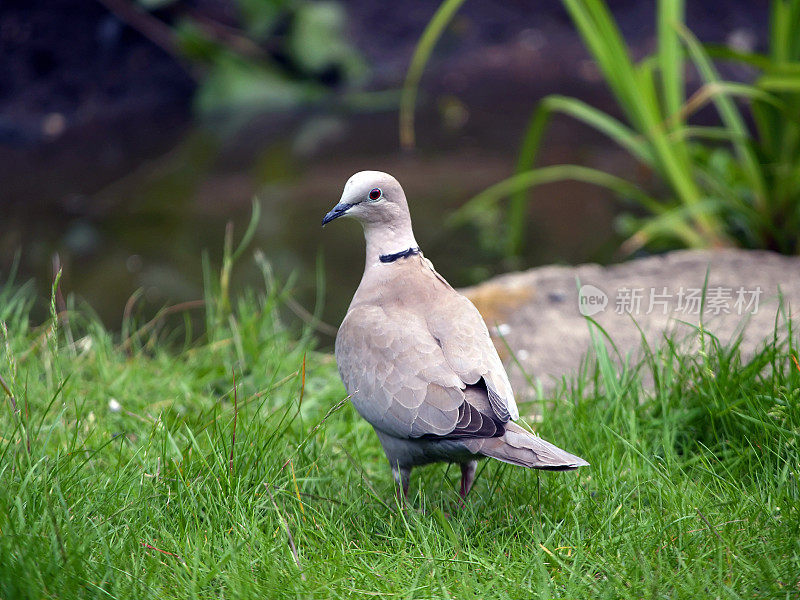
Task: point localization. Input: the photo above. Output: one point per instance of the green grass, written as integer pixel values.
(189, 489)
(728, 184)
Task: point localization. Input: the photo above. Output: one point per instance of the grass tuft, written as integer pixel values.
(131, 468)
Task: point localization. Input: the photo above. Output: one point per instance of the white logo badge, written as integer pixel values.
(591, 300)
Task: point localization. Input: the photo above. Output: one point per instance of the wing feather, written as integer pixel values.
(469, 350)
(402, 382)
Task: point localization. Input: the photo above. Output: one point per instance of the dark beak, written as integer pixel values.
(337, 211)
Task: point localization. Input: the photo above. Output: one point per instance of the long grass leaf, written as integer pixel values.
(780, 83)
(673, 224)
(540, 176)
(255, 218)
(422, 53)
(628, 139)
(670, 54)
(754, 59)
(730, 115)
(635, 93)
(492, 195)
(607, 47)
(613, 128)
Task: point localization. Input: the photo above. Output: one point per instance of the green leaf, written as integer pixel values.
(194, 43)
(486, 200)
(777, 83)
(670, 54)
(728, 112)
(624, 136)
(318, 41)
(242, 89)
(422, 53)
(261, 16)
(674, 223)
(604, 123)
(754, 59)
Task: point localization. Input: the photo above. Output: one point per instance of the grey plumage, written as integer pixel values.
(416, 356)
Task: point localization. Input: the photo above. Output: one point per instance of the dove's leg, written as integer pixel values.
(402, 477)
(467, 476)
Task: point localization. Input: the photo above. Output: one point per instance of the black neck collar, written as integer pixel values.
(387, 258)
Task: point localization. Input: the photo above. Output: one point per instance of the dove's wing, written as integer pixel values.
(458, 326)
(402, 382)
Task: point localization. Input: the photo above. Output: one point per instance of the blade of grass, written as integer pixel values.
(670, 54)
(502, 189)
(422, 53)
(729, 113)
(636, 94)
(613, 128)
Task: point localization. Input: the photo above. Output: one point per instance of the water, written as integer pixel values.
(147, 230)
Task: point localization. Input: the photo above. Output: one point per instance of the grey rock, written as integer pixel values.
(539, 315)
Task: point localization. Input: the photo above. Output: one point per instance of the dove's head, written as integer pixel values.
(374, 198)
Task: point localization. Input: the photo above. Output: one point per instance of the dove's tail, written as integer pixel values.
(520, 447)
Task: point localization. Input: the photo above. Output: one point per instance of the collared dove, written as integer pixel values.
(416, 356)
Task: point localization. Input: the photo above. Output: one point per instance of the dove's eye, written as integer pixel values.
(375, 194)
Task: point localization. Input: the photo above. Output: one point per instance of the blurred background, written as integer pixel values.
(131, 131)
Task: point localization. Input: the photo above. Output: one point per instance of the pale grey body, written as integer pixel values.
(416, 356)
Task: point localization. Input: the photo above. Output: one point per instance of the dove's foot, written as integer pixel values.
(467, 477)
